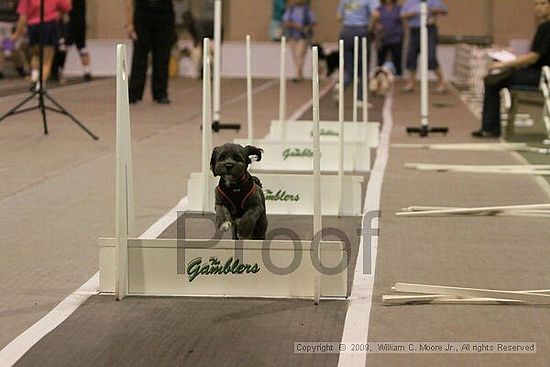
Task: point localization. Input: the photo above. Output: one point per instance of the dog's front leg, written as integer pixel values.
(247, 223)
(223, 218)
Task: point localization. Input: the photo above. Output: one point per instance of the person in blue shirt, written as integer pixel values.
(411, 14)
(389, 32)
(276, 28)
(356, 17)
(299, 21)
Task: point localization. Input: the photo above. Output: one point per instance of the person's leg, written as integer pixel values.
(490, 122)
(382, 54)
(79, 34)
(293, 43)
(412, 58)
(162, 41)
(347, 36)
(397, 58)
(433, 64)
(140, 60)
(301, 48)
(49, 52)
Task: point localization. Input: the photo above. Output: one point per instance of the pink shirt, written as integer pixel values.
(52, 8)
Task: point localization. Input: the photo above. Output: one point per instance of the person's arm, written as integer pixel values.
(438, 8)
(408, 11)
(22, 10)
(374, 14)
(130, 20)
(520, 62)
(20, 27)
(340, 12)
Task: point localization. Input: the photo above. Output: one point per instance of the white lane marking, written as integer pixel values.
(20, 345)
(300, 111)
(356, 326)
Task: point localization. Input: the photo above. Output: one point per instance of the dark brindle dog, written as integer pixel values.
(240, 201)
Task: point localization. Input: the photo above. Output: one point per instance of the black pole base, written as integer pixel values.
(217, 126)
(424, 131)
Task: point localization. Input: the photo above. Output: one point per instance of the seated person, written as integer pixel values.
(524, 70)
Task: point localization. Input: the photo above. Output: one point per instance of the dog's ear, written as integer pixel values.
(249, 151)
(214, 159)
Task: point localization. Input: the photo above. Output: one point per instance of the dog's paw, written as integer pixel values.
(226, 226)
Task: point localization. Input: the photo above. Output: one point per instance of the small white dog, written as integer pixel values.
(382, 79)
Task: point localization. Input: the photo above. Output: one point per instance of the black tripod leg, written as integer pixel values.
(14, 111)
(42, 108)
(67, 113)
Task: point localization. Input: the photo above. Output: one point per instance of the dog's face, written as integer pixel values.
(381, 83)
(230, 161)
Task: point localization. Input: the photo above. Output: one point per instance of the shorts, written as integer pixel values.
(51, 34)
(76, 35)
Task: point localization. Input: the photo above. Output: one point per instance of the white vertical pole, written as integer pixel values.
(217, 57)
(282, 83)
(249, 105)
(545, 88)
(355, 76)
(341, 121)
(424, 62)
(124, 182)
(365, 81)
(317, 220)
(355, 92)
(206, 125)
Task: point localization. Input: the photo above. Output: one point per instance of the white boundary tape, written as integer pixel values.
(356, 326)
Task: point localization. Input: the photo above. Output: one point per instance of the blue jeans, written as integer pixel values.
(348, 34)
(491, 99)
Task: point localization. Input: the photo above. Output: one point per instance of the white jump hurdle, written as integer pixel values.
(153, 268)
(302, 130)
(291, 194)
(191, 267)
(298, 156)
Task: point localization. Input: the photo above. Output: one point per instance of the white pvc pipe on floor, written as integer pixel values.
(424, 63)
(250, 112)
(206, 125)
(217, 58)
(341, 121)
(317, 220)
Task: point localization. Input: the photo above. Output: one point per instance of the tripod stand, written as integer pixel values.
(41, 92)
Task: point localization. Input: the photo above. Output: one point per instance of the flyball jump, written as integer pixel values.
(207, 267)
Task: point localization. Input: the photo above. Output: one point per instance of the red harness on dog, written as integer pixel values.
(236, 198)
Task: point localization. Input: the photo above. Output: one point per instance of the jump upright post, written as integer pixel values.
(216, 124)
(425, 129)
